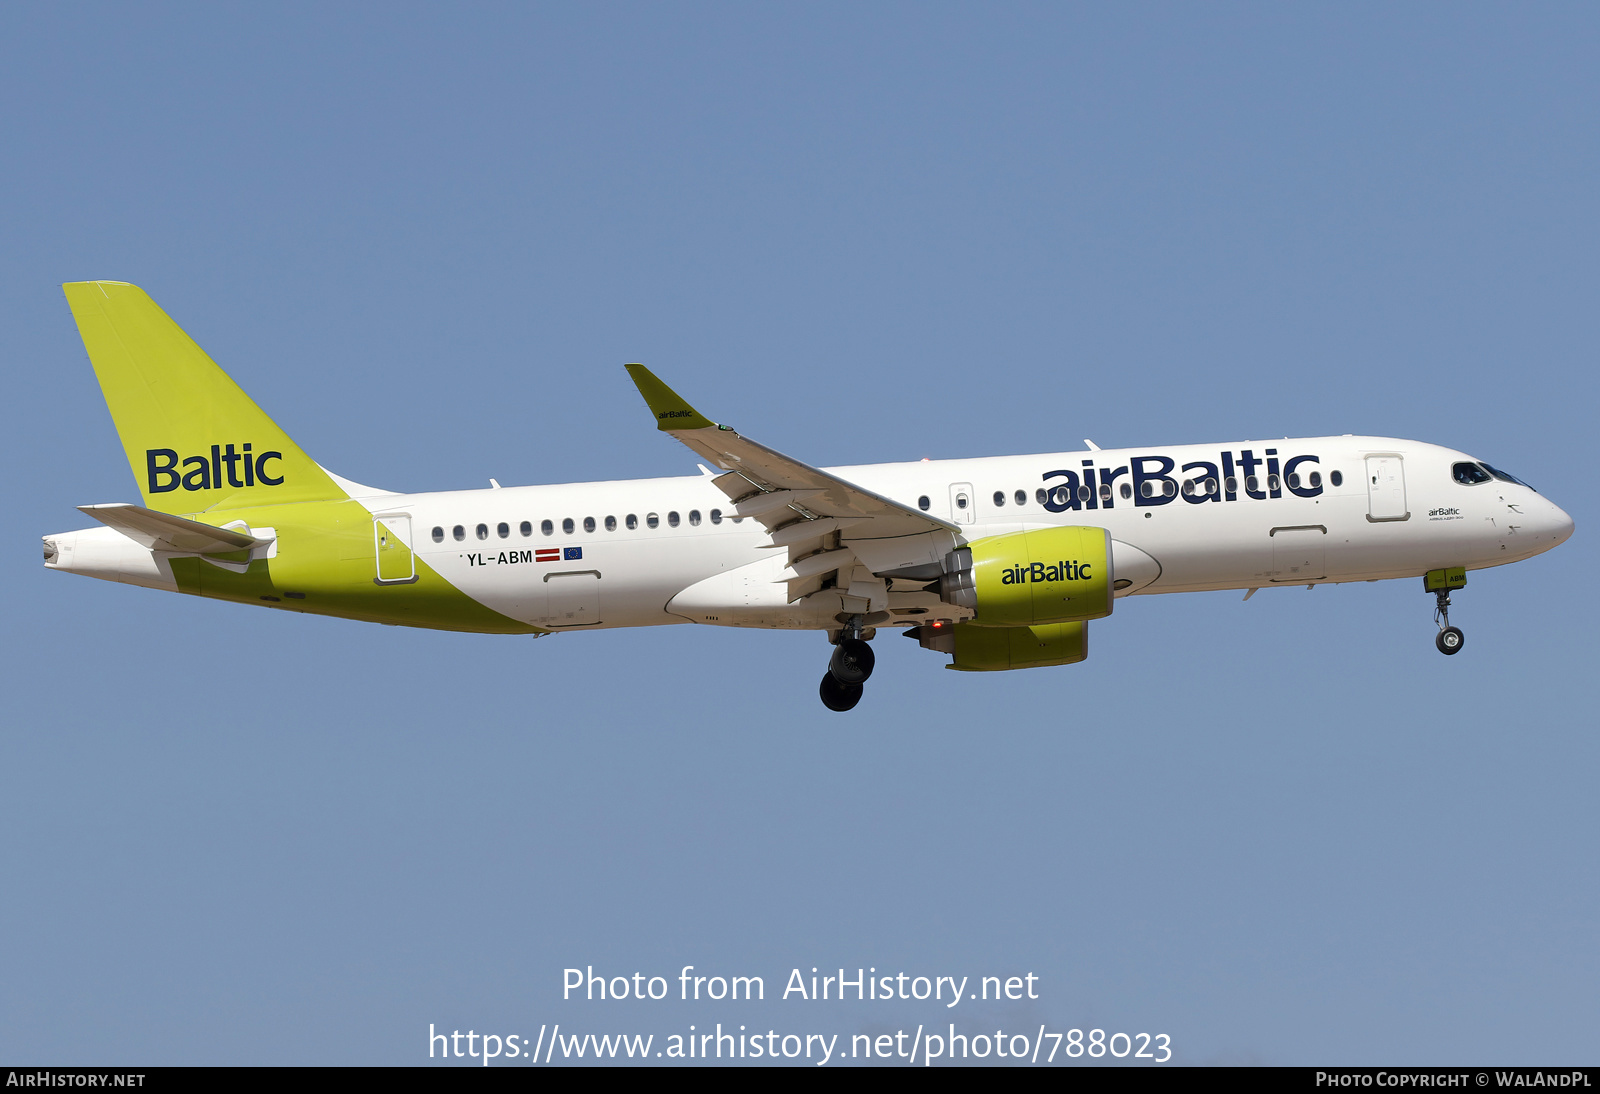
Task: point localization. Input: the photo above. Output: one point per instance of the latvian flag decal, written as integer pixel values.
(547, 554)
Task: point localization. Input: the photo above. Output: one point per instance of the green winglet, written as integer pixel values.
(670, 408)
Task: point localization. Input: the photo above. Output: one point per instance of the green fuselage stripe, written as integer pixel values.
(325, 564)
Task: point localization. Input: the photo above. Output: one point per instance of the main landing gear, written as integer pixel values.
(1441, 583)
(848, 669)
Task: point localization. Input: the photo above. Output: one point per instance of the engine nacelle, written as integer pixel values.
(1031, 579)
(995, 649)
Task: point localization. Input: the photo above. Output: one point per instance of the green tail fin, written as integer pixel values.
(195, 441)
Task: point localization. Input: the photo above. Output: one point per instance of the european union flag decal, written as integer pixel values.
(570, 553)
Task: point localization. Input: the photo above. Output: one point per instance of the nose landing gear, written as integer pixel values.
(1440, 583)
(848, 669)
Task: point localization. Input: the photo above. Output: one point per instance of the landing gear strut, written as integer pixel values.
(848, 669)
(1440, 583)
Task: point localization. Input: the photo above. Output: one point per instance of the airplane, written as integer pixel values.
(998, 562)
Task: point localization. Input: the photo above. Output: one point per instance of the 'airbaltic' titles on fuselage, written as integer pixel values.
(1043, 571)
(202, 473)
(1151, 482)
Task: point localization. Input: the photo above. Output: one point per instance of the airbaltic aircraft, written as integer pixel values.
(998, 562)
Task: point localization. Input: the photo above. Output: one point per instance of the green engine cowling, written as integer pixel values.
(1031, 579)
(996, 649)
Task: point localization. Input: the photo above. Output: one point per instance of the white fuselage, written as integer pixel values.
(1381, 508)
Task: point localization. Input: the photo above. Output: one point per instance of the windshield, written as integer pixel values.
(1504, 476)
(1469, 474)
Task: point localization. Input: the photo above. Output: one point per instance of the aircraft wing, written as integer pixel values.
(800, 505)
(165, 532)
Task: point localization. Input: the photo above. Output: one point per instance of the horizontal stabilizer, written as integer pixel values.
(165, 532)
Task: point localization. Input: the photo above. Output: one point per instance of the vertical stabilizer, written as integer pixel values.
(195, 441)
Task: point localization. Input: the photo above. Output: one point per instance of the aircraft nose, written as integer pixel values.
(1560, 523)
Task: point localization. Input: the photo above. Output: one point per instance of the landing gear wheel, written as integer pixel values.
(852, 663)
(837, 696)
(1450, 638)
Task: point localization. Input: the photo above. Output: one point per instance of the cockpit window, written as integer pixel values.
(1504, 476)
(1468, 474)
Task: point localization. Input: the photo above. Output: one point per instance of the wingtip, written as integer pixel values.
(672, 410)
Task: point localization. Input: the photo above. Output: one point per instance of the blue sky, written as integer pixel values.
(426, 240)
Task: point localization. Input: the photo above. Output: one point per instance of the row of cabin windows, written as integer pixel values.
(1190, 488)
(570, 526)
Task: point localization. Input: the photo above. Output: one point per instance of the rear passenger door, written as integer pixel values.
(391, 541)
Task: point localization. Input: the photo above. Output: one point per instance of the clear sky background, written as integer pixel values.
(426, 239)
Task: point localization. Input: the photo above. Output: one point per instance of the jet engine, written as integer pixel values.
(1031, 579)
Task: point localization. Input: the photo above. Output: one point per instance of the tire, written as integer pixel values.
(1450, 640)
(837, 696)
(852, 662)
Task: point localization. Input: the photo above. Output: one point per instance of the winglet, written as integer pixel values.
(671, 410)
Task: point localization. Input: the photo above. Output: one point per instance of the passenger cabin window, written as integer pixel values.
(611, 524)
(438, 534)
(483, 531)
(1084, 494)
(716, 516)
(923, 503)
(504, 530)
(1294, 480)
(568, 527)
(694, 518)
(1041, 496)
(1336, 478)
(1272, 483)
(1252, 484)
(588, 524)
(1316, 480)
(1232, 484)
(631, 521)
(459, 532)
(672, 519)
(653, 520)
(526, 528)
(999, 499)
(1020, 497)
(547, 528)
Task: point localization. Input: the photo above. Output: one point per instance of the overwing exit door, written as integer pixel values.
(962, 508)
